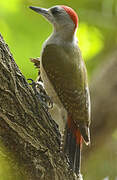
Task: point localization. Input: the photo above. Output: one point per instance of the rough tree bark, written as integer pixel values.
(26, 129)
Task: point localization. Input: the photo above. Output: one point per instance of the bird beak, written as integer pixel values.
(42, 11)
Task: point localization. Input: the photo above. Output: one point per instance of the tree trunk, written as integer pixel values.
(104, 98)
(26, 129)
(100, 160)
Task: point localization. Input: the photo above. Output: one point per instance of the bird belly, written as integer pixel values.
(58, 112)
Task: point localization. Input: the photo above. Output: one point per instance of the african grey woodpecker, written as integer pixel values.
(65, 79)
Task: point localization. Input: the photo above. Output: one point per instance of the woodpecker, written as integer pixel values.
(65, 79)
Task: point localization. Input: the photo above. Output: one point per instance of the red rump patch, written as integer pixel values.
(72, 14)
(75, 131)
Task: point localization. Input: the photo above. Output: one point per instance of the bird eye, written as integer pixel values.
(55, 10)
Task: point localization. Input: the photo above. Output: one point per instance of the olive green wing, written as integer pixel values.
(69, 80)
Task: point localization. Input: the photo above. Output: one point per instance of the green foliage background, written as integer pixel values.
(25, 32)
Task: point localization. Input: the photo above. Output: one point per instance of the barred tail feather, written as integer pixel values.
(72, 146)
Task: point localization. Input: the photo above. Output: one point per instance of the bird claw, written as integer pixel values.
(33, 84)
(41, 94)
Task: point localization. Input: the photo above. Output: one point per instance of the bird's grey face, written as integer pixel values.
(56, 15)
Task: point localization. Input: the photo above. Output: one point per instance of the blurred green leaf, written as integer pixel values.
(10, 5)
(90, 40)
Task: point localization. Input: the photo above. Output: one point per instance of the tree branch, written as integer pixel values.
(26, 128)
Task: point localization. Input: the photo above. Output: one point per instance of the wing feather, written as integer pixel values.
(69, 79)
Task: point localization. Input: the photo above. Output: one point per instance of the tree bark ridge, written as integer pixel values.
(26, 128)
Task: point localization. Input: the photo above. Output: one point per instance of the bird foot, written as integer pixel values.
(41, 94)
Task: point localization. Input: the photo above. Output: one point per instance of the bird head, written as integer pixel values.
(60, 16)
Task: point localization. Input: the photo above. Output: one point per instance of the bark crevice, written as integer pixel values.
(26, 128)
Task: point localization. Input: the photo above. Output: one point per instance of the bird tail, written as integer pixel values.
(73, 146)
